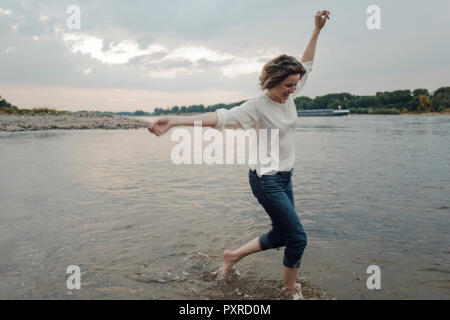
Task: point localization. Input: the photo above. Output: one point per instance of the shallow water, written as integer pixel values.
(370, 190)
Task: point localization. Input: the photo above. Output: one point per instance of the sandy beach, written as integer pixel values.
(85, 120)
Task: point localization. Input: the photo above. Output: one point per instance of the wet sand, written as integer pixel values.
(67, 121)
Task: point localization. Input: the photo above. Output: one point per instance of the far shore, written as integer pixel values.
(68, 121)
(93, 120)
(351, 114)
(402, 114)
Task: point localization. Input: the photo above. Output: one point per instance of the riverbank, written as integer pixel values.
(403, 114)
(92, 120)
(67, 121)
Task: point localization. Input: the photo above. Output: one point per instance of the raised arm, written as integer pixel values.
(310, 51)
(163, 125)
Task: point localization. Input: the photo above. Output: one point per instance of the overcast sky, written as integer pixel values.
(131, 55)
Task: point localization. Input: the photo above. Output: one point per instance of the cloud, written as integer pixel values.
(117, 53)
(87, 71)
(43, 18)
(242, 66)
(6, 12)
(194, 54)
(9, 49)
(194, 46)
(158, 61)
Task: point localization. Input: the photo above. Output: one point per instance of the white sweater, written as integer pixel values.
(264, 113)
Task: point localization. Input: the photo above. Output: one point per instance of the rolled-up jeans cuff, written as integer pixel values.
(289, 264)
(264, 242)
(292, 258)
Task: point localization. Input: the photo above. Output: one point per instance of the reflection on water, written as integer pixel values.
(369, 190)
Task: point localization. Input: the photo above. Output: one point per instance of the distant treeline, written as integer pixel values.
(8, 108)
(388, 102)
(394, 102)
(197, 108)
(137, 113)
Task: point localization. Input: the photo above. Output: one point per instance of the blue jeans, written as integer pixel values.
(274, 193)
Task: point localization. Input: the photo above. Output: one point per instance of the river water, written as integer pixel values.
(370, 190)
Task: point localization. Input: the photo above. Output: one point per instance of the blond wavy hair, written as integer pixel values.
(278, 69)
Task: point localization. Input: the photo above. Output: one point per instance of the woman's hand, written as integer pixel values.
(209, 119)
(321, 18)
(161, 126)
(310, 51)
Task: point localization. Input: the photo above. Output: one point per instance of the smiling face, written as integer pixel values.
(283, 90)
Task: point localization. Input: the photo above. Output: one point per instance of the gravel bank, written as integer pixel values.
(11, 123)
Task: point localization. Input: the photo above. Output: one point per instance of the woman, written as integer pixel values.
(283, 77)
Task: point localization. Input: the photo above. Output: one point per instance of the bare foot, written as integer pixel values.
(229, 260)
(293, 293)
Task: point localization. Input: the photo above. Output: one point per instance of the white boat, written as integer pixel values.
(323, 113)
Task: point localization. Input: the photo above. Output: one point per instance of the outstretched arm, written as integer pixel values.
(163, 125)
(310, 51)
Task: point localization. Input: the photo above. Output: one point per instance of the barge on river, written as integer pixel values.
(323, 113)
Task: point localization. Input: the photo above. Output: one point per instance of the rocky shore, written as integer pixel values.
(67, 121)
